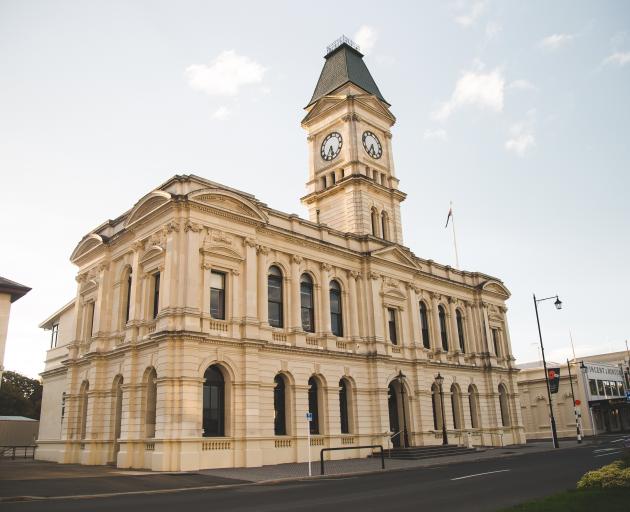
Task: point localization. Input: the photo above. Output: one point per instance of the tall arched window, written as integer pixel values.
(127, 297)
(336, 316)
(504, 406)
(275, 297)
(456, 406)
(385, 225)
(313, 404)
(83, 408)
(473, 403)
(344, 402)
(443, 333)
(374, 218)
(213, 402)
(151, 403)
(156, 295)
(437, 407)
(280, 405)
(460, 330)
(424, 325)
(307, 304)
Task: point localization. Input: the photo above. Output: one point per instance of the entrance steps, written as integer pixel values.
(427, 452)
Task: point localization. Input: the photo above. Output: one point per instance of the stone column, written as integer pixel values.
(193, 276)
(295, 321)
(377, 305)
(325, 298)
(101, 306)
(353, 314)
(414, 315)
(487, 330)
(263, 312)
(170, 275)
(507, 343)
(471, 335)
(251, 281)
(237, 302)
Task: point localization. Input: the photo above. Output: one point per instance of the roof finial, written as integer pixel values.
(343, 39)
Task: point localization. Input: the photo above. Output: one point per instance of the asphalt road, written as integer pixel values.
(471, 486)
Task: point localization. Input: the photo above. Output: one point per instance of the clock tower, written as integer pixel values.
(352, 186)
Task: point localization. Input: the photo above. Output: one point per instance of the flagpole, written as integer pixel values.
(454, 237)
(572, 347)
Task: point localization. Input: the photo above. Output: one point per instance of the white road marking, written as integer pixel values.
(618, 440)
(480, 474)
(604, 450)
(604, 454)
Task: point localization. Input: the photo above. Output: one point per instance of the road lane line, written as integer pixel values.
(605, 454)
(604, 450)
(480, 474)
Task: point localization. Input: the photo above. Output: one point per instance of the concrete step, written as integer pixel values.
(427, 452)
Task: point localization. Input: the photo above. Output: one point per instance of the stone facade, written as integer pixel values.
(127, 380)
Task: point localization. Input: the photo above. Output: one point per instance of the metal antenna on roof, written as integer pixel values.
(342, 40)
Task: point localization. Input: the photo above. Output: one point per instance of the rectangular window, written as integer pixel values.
(495, 341)
(323, 181)
(333, 178)
(217, 295)
(620, 389)
(391, 323)
(54, 333)
(614, 389)
(600, 388)
(156, 294)
(128, 305)
(90, 320)
(592, 386)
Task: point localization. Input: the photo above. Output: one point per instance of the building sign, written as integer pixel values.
(554, 379)
(605, 382)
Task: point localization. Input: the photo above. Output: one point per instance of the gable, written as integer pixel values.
(395, 254)
(86, 246)
(495, 287)
(147, 205)
(228, 202)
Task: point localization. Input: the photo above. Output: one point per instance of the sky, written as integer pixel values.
(517, 112)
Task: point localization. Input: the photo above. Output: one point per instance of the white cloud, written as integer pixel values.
(521, 136)
(619, 58)
(493, 28)
(437, 134)
(222, 113)
(523, 85)
(555, 41)
(472, 15)
(225, 75)
(483, 90)
(366, 38)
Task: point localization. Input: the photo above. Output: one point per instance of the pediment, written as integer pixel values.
(221, 252)
(229, 202)
(324, 104)
(495, 287)
(147, 205)
(396, 255)
(87, 245)
(371, 102)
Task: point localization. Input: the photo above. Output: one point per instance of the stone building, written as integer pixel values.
(206, 324)
(10, 291)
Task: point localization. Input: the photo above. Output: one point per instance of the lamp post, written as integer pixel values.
(439, 380)
(558, 304)
(401, 378)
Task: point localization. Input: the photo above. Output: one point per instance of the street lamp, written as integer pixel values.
(558, 304)
(401, 378)
(439, 380)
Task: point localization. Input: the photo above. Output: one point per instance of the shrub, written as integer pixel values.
(613, 475)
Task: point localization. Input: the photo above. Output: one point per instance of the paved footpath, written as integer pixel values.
(27, 479)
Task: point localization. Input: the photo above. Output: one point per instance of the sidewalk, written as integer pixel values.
(28, 479)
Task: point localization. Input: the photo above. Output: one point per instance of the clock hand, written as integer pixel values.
(330, 151)
(372, 152)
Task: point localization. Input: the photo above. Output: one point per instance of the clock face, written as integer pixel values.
(331, 146)
(372, 145)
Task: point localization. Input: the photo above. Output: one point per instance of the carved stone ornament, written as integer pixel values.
(391, 283)
(250, 242)
(192, 226)
(261, 249)
(296, 258)
(354, 274)
(138, 245)
(220, 237)
(375, 276)
(157, 239)
(172, 226)
(326, 267)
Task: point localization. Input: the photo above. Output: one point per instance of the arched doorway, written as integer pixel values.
(213, 403)
(398, 412)
(117, 393)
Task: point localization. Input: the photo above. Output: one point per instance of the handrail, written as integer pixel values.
(12, 450)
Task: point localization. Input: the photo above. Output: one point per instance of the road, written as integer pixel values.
(472, 486)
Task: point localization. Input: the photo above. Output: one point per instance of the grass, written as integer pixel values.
(583, 500)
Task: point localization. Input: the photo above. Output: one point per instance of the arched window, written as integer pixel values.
(307, 306)
(374, 222)
(385, 225)
(313, 404)
(336, 316)
(156, 295)
(460, 330)
(127, 297)
(456, 406)
(473, 402)
(443, 333)
(344, 402)
(391, 326)
(437, 407)
(151, 403)
(275, 297)
(213, 402)
(83, 408)
(279, 405)
(504, 406)
(424, 325)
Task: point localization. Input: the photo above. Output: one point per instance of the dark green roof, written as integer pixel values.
(344, 64)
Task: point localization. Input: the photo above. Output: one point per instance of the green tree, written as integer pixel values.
(20, 396)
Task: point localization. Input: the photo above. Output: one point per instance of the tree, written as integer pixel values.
(20, 396)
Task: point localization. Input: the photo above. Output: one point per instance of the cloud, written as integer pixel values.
(366, 38)
(472, 15)
(222, 113)
(478, 89)
(225, 75)
(493, 28)
(555, 41)
(438, 134)
(619, 58)
(523, 85)
(521, 136)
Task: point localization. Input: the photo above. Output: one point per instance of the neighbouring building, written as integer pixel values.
(206, 324)
(600, 383)
(10, 291)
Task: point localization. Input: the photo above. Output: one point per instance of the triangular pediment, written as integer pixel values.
(323, 106)
(228, 201)
(397, 255)
(371, 103)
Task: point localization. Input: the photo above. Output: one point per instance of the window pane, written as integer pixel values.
(600, 388)
(592, 386)
(217, 280)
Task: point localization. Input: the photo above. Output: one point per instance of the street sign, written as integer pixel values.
(309, 416)
(554, 379)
